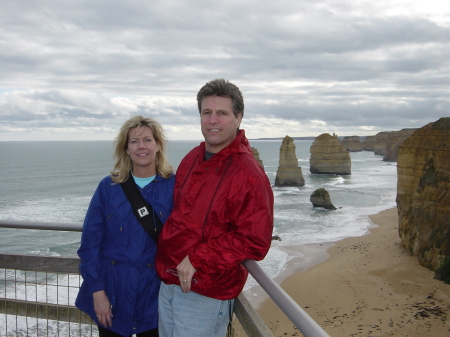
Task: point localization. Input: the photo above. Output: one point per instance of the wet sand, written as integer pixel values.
(367, 287)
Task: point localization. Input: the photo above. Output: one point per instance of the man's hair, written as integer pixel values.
(222, 88)
(123, 163)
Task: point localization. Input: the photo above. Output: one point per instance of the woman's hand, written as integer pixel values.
(102, 308)
(185, 272)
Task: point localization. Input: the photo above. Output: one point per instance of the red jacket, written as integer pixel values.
(222, 215)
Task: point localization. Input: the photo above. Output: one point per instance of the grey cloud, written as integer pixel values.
(330, 61)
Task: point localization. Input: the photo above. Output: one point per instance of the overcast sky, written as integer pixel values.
(76, 70)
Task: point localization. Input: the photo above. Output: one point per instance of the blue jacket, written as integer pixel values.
(118, 256)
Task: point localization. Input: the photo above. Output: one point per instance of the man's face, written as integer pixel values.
(218, 122)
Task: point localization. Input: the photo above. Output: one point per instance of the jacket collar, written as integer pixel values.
(239, 144)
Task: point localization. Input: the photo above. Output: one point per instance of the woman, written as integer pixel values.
(120, 287)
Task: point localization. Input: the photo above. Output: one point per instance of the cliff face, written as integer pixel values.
(393, 142)
(423, 193)
(289, 173)
(379, 146)
(369, 142)
(352, 143)
(256, 156)
(328, 156)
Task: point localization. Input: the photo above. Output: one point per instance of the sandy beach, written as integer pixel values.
(367, 287)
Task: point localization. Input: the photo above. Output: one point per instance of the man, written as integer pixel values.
(222, 215)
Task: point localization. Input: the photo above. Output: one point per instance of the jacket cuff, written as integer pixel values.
(193, 259)
(93, 287)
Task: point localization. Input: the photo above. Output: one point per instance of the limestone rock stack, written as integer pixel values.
(352, 143)
(393, 142)
(256, 156)
(328, 156)
(321, 198)
(289, 173)
(423, 194)
(380, 144)
(368, 143)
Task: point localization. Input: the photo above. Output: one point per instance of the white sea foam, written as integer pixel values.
(61, 209)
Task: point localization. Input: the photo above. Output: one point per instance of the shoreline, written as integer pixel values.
(367, 286)
(314, 253)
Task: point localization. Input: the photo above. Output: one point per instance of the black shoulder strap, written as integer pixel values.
(142, 209)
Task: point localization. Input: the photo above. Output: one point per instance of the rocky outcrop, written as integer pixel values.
(289, 173)
(368, 143)
(256, 156)
(352, 143)
(423, 194)
(321, 198)
(393, 142)
(328, 156)
(380, 144)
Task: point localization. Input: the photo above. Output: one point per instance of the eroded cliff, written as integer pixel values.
(423, 194)
(256, 156)
(328, 156)
(380, 143)
(393, 142)
(352, 143)
(368, 143)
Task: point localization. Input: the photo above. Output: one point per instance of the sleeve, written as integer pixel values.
(91, 241)
(251, 236)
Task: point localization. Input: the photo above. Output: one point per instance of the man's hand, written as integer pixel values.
(102, 308)
(185, 272)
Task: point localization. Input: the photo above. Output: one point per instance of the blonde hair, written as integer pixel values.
(123, 163)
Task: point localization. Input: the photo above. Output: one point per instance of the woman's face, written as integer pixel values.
(142, 149)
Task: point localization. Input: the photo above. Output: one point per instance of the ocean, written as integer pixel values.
(54, 182)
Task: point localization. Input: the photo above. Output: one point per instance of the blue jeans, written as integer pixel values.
(190, 314)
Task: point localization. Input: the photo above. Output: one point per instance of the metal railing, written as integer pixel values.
(248, 319)
(37, 295)
(307, 326)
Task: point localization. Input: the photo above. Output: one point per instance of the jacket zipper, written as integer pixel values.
(230, 159)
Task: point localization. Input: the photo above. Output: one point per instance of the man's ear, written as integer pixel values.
(239, 117)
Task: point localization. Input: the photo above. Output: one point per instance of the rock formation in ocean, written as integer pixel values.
(368, 143)
(380, 143)
(393, 142)
(328, 156)
(423, 195)
(289, 173)
(352, 143)
(256, 156)
(321, 198)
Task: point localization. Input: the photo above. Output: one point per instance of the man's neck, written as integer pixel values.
(209, 155)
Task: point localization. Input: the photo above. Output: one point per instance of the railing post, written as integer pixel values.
(249, 319)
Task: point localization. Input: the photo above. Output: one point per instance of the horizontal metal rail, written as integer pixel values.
(307, 326)
(39, 263)
(69, 227)
(43, 310)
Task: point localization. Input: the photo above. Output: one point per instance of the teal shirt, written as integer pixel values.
(142, 182)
